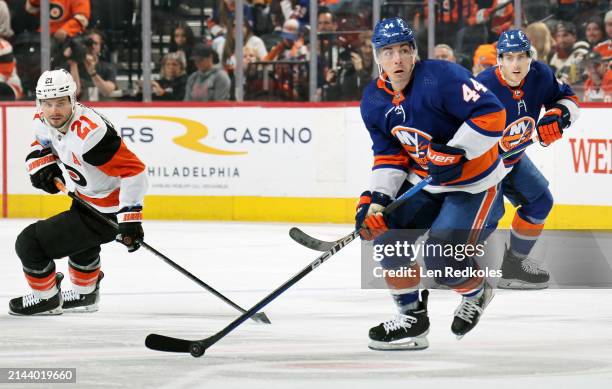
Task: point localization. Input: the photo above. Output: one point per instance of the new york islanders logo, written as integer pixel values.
(517, 133)
(415, 142)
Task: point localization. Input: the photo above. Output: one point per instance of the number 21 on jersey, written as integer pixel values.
(81, 130)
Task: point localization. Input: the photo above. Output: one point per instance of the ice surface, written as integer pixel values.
(318, 339)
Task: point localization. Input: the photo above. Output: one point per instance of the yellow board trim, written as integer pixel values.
(284, 209)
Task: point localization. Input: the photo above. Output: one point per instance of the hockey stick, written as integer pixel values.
(198, 347)
(322, 245)
(259, 317)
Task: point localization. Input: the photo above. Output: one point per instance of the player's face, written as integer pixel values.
(397, 61)
(56, 111)
(514, 67)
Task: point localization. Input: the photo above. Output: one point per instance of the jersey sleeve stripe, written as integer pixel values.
(396, 159)
(475, 169)
(123, 164)
(396, 167)
(491, 124)
(474, 143)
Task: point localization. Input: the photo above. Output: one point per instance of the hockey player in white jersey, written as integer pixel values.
(105, 174)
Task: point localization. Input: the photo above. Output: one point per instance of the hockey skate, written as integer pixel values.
(404, 332)
(470, 310)
(31, 305)
(75, 302)
(521, 273)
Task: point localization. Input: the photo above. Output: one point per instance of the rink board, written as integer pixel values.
(286, 162)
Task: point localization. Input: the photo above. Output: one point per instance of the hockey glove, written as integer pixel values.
(44, 178)
(550, 127)
(130, 227)
(445, 163)
(369, 214)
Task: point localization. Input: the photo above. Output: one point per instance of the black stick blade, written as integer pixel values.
(167, 343)
(261, 317)
(308, 241)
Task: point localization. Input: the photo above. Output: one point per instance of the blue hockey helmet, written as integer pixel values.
(392, 31)
(513, 41)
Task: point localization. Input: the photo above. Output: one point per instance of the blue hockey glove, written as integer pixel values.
(445, 163)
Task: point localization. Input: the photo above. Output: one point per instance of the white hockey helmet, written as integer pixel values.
(56, 83)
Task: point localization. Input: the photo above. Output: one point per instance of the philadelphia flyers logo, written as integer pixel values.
(56, 12)
(517, 133)
(75, 176)
(415, 142)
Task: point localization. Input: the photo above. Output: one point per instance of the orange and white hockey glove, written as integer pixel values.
(550, 127)
(369, 215)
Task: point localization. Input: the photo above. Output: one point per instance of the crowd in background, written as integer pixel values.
(194, 48)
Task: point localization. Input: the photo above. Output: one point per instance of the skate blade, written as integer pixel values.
(53, 312)
(86, 309)
(415, 343)
(515, 284)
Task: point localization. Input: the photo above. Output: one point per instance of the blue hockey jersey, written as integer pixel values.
(523, 103)
(441, 104)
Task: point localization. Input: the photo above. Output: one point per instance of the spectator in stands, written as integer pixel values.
(445, 53)
(594, 32)
(262, 17)
(227, 47)
(588, 10)
(296, 9)
(209, 82)
(292, 46)
(182, 41)
(226, 13)
(10, 84)
(95, 78)
(250, 55)
(171, 85)
(598, 86)
(326, 21)
(605, 47)
(569, 54)
(541, 40)
(458, 23)
(352, 76)
(6, 31)
(485, 56)
(498, 13)
(331, 54)
(68, 17)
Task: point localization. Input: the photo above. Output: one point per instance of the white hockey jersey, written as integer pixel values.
(105, 172)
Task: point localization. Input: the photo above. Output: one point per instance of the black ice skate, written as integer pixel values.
(30, 305)
(405, 332)
(469, 312)
(75, 302)
(521, 273)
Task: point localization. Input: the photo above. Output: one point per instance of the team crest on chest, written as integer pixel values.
(517, 133)
(415, 143)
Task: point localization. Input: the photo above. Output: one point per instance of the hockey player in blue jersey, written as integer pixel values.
(524, 86)
(428, 118)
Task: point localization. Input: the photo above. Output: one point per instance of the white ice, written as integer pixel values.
(318, 339)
